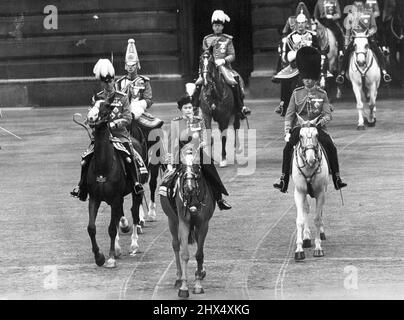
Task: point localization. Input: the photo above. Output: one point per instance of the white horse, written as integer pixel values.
(364, 74)
(310, 175)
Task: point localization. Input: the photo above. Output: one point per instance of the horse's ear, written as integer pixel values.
(314, 122)
(300, 119)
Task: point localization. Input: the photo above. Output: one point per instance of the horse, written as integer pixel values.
(364, 74)
(394, 34)
(328, 41)
(188, 220)
(310, 174)
(106, 181)
(216, 91)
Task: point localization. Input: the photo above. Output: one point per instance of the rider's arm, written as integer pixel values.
(126, 116)
(290, 114)
(373, 26)
(147, 94)
(326, 114)
(231, 53)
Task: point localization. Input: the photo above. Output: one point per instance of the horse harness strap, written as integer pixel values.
(317, 169)
(363, 73)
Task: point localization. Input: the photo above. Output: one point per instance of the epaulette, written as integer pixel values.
(321, 90)
(178, 118)
(228, 36)
(209, 35)
(144, 77)
(299, 89)
(121, 78)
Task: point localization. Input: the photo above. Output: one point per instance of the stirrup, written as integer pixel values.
(75, 192)
(279, 108)
(281, 185)
(340, 79)
(387, 78)
(245, 111)
(138, 188)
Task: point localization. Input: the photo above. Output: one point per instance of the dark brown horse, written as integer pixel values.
(107, 181)
(215, 91)
(188, 219)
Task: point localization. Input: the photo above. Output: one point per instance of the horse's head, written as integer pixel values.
(98, 115)
(309, 145)
(207, 67)
(361, 46)
(190, 180)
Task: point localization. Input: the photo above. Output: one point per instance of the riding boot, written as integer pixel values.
(332, 155)
(238, 95)
(132, 170)
(382, 61)
(283, 184)
(344, 65)
(80, 191)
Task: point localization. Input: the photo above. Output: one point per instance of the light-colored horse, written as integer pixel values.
(364, 74)
(188, 223)
(310, 175)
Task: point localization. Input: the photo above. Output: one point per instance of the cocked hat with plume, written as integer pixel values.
(220, 17)
(104, 70)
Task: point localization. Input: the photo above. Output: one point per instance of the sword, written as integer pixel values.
(10, 133)
(342, 198)
(81, 124)
(248, 124)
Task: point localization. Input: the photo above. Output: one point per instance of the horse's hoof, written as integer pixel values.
(142, 223)
(151, 216)
(177, 284)
(322, 236)
(361, 128)
(117, 253)
(318, 253)
(198, 291)
(307, 243)
(99, 259)
(139, 229)
(183, 293)
(223, 164)
(371, 124)
(111, 263)
(299, 256)
(134, 249)
(201, 274)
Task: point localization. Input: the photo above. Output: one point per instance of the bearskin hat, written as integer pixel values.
(308, 60)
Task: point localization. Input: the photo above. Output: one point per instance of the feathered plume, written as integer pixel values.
(103, 68)
(219, 15)
(190, 88)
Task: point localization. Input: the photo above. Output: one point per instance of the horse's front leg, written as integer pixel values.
(136, 202)
(306, 229)
(236, 126)
(200, 272)
(154, 171)
(223, 162)
(318, 221)
(116, 213)
(357, 89)
(372, 105)
(300, 202)
(184, 232)
(173, 226)
(93, 207)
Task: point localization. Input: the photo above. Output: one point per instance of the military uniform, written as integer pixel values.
(137, 89)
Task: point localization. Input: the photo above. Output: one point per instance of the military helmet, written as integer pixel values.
(219, 17)
(131, 57)
(301, 17)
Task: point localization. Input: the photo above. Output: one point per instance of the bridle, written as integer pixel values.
(362, 68)
(307, 143)
(94, 118)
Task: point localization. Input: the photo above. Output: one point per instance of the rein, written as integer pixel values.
(365, 71)
(302, 156)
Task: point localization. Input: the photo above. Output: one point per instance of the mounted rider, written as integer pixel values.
(288, 83)
(224, 54)
(299, 38)
(139, 91)
(189, 132)
(362, 20)
(328, 12)
(120, 118)
(309, 102)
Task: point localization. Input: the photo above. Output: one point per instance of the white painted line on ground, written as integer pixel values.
(282, 270)
(122, 294)
(156, 288)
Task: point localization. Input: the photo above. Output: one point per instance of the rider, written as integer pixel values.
(119, 119)
(299, 38)
(224, 55)
(363, 21)
(309, 102)
(287, 86)
(189, 131)
(328, 12)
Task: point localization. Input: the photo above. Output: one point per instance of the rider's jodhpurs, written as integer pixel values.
(213, 178)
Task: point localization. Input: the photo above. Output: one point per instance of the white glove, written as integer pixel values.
(287, 137)
(112, 125)
(291, 56)
(220, 62)
(138, 108)
(170, 168)
(322, 82)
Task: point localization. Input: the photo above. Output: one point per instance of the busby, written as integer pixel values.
(131, 56)
(220, 17)
(308, 61)
(104, 70)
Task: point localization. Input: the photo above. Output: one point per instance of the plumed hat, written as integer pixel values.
(188, 97)
(104, 70)
(302, 9)
(308, 60)
(219, 16)
(131, 56)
